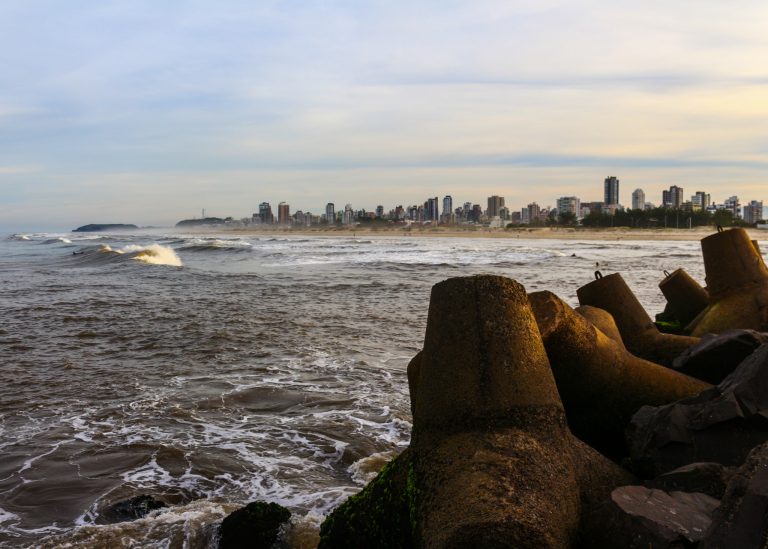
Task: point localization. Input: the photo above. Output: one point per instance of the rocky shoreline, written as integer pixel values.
(537, 425)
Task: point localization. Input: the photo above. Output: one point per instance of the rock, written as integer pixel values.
(640, 335)
(379, 517)
(102, 227)
(741, 519)
(255, 526)
(737, 281)
(130, 509)
(491, 461)
(603, 321)
(600, 383)
(685, 297)
(716, 356)
(708, 478)
(721, 425)
(635, 517)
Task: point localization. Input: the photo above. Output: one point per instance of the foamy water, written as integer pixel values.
(210, 371)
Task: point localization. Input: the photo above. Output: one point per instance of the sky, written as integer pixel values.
(147, 112)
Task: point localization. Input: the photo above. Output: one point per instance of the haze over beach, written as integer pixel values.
(315, 272)
(140, 113)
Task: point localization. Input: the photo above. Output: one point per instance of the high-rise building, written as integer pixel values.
(638, 199)
(265, 213)
(611, 190)
(534, 212)
(495, 203)
(733, 205)
(349, 215)
(432, 210)
(283, 214)
(753, 212)
(569, 204)
(330, 213)
(379, 211)
(700, 201)
(673, 198)
(447, 205)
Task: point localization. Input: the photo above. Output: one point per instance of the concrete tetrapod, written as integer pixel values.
(493, 462)
(685, 296)
(640, 335)
(737, 281)
(603, 321)
(601, 384)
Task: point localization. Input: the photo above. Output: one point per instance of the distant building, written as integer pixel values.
(611, 190)
(283, 214)
(448, 215)
(533, 212)
(638, 199)
(592, 208)
(516, 218)
(495, 203)
(504, 213)
(753, 212)
(569, 204)
(673, 198)
(733, 205)
(379, 211)
(265, 213)
(700, 201)
(432, 210)
(330, 213)
(349, 215)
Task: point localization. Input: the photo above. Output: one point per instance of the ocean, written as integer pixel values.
(210, 370)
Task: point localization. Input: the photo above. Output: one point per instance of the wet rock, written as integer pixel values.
(640, 335)
(721, 425)
(741, 519)
(600, 383)
(636, 517)
(130, 509)
(737, 282)
(255, 526)
(716, 356)
(708, 478)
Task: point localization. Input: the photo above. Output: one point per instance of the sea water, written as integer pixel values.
(213, 370)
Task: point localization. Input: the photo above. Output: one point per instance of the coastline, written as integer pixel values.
(539, 233)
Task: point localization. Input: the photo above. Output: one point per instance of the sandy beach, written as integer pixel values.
(558, 233)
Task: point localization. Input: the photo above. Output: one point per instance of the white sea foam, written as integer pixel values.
(6, 516)
(154, 254)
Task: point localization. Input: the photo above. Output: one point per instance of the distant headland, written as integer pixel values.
(99, 227)
(201, 221)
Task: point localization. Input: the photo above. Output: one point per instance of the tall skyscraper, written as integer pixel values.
(379, 211)
(283, 213)
(638, 199)
(700, 201)
(349, 215)
(432, 210)
(495, 203)
(673, 198)
(330, 213)
(569, 204)
(534, 212)
(447, 204)
(265, 213)
(611, 191)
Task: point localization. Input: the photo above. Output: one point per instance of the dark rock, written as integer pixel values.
(255, 526)
(130, 509)
(601, 384)
(379, 517)
(707, 478)
(635, 517)
(742, 519)
(737, 282)
(716, 356)
(201, 222)
(95, 227)
(638, 332)
(721, 425)
(491, 461)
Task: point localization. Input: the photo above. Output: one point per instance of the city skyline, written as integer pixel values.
(146, 113)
